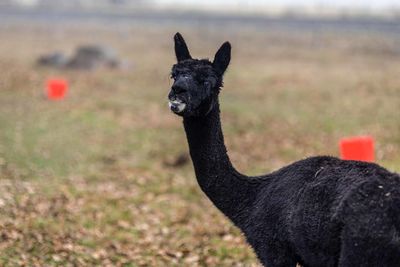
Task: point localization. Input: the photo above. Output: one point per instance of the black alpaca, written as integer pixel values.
(321, 211)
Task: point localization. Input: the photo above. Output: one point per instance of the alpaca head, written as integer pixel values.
(197, 82)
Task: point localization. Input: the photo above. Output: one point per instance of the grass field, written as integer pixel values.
(93, 180)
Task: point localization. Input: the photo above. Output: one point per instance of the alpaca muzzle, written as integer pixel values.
(177, 106)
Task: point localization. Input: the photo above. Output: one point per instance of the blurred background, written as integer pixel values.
(102, 176)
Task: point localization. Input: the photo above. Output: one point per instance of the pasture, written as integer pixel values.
(103, 177)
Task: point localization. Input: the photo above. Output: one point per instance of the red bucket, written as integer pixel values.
(357, 148)
(56, 89)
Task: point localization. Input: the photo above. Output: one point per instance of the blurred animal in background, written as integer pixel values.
(87, 57)
(320, 211)
(93, 56)
(55, 59)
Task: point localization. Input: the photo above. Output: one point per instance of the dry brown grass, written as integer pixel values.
(88, 181)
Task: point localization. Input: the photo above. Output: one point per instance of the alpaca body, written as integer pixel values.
(323, 211)
(311, 212)
(318, 212)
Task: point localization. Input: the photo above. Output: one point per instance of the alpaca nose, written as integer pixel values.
(178, 89)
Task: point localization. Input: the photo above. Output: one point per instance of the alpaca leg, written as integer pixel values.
(369, 251)
(277, 261)
(274, 255)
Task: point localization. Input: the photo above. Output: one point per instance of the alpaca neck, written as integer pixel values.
(230, 191)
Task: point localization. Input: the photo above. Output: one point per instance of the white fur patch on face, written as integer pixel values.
(177, 105)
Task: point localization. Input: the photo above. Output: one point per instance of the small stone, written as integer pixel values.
(56, 258)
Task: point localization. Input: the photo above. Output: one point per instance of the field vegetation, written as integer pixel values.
(103, 177)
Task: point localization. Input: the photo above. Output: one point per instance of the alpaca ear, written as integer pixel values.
(222, 58)
(181, 50)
